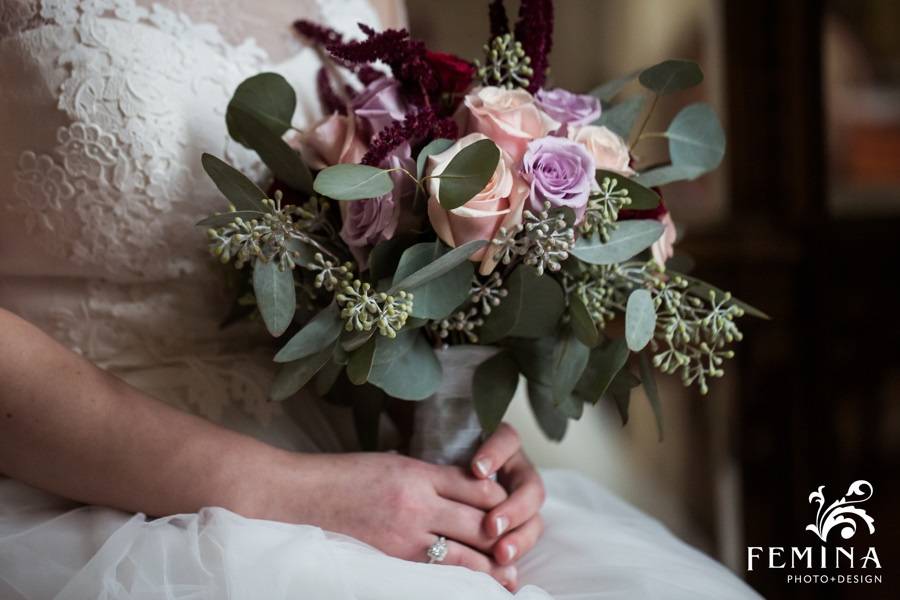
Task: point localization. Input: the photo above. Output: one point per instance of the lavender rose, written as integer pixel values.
(568, 108)
(558, 171)
(367, 222)
(378, 104)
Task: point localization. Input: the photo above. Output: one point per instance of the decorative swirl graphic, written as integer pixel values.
(841, 512)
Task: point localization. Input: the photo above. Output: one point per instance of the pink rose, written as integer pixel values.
(511, 118)
(610, 151)
(333, 140)
(498, 205)
(664, 248)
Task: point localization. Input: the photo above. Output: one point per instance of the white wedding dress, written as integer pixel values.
(105, 108)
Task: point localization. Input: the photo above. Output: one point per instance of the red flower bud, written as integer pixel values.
(454, 75)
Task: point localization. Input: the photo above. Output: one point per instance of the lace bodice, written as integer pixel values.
(105, 108)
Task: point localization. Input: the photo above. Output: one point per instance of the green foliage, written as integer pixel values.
(228, 217)
(671, 76)
(549, 417)
(320, 332)
(582, 324)
(649, 383)
(703, 289)
(696, 146)
(640, 319)
(505, 63)
(433, 147)
(610, 89)
(414, 375)
(642, 198)
(292, 376)
(285, 162)
(243, 194)
(435, 298)
(467, 174)
(438, 267)
(268, 99)
(361, 362)
(626, 241)
(531, 309)
(353, 182)
(275, 295)
(620, 117)
(570, 357)
(385, 256)
(494, 384)
(604, 364)
(620, 391)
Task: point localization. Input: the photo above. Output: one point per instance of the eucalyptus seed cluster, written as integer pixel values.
(362, 308)
(464, 322)
(551, 239)
(328, 273)
(596, 287)
(487, 294)
(694, 330)
(274, 235)
(603, 208)
(506, 65)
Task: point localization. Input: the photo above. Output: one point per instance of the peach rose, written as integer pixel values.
(664, 248)
(333, 140)
(610, 151)
(499, 204)
(511, 118)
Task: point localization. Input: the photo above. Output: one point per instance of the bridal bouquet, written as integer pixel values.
(443, 203)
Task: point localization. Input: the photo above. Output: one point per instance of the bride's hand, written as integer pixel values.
(516, 519)
(401, 506)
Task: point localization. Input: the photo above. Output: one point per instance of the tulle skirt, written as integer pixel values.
(595, 546)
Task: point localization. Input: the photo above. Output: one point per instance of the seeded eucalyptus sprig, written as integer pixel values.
(505, 63)
(362, 308)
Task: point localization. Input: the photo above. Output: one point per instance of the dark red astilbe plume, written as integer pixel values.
(416, 125)
(367, 74)
(330, 101)
(499, 20)
(534, 30)
(324, 36)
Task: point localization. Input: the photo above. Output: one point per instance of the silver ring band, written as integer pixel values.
(437, 552)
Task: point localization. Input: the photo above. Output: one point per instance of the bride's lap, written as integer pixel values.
(594, 546)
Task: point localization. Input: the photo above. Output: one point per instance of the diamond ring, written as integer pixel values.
(437, 552)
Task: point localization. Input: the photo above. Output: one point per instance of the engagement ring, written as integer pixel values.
(437, 552)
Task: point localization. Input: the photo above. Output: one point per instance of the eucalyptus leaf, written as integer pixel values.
(361, 363)
(223, 219)
(292, 376)
(326, 378)
(696, 138)
(640, 319)
(234, 185)
(415, 375)
(649, 383)
(285, 162)
(620, 117)
(604, 364)
(531, 309)
(467, 174)
(671, 76)
(275, 295)
(535, 358)
(351, 340)
(439, 266)
(570, 357)
(493, 386)
(353, 182)
(582, 324)
(642, 198)
(435, 146)
(570, 406)
(435, 298)
(548, 416)
(321, 331)
(268, 98)
(387, 350)
(667, 174)
(620, 391)
(385, 256)
(627, 240)
(610, 89)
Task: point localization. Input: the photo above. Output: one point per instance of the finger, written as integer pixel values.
(518, 542)
(523, 503)
(502, 445)
(462, 556)
(454, 483)
(463, 523)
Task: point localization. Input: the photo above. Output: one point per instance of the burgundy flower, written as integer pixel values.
(454, 75)
(534, 30)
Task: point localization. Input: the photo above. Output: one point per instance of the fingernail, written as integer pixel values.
(483, 466)
(511, 552)
(501, 523)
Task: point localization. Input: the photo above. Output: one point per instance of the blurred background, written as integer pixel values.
(803, 221)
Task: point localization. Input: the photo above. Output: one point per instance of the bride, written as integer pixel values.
(139, 455)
